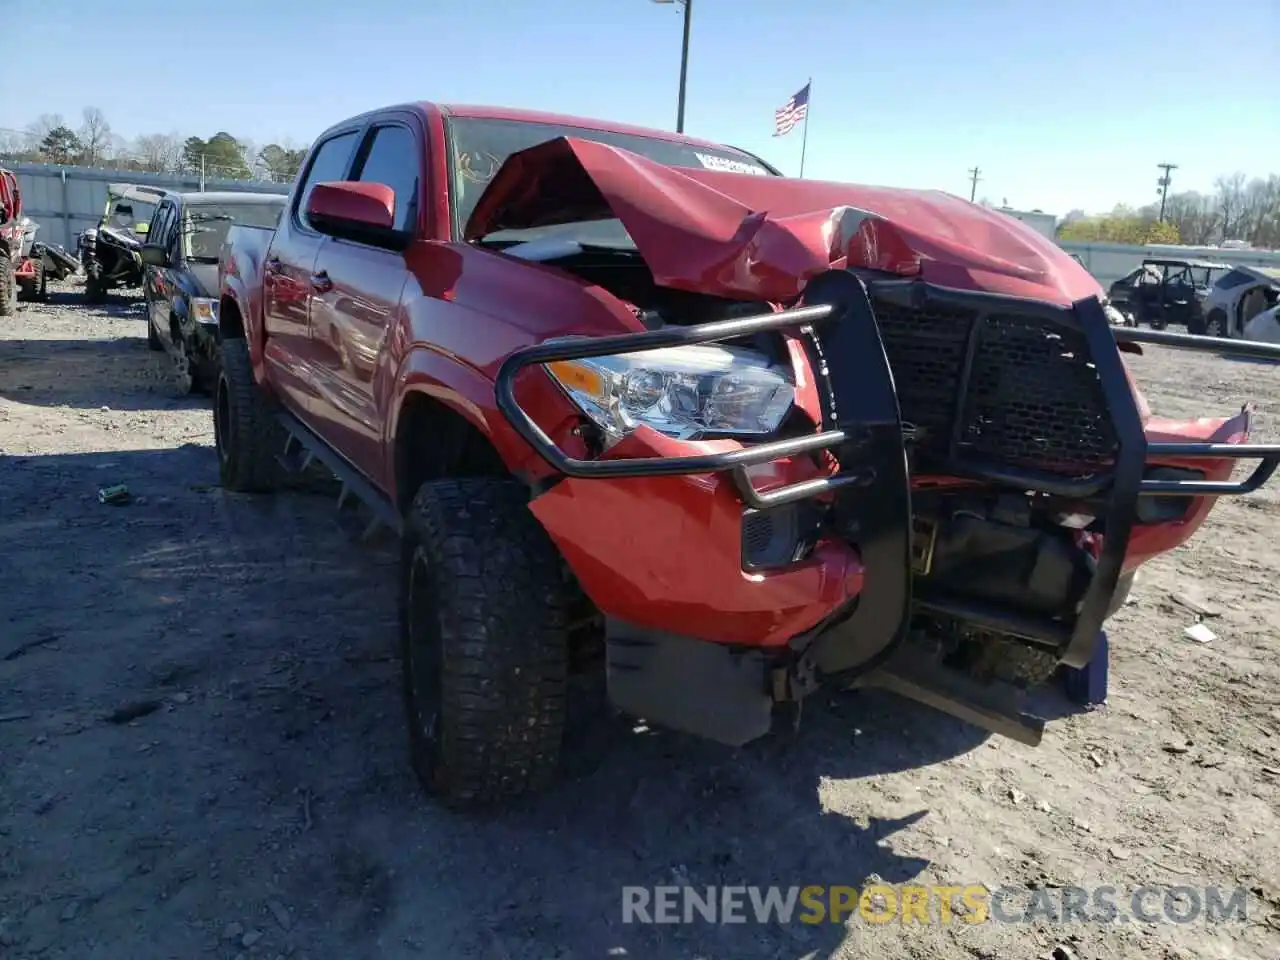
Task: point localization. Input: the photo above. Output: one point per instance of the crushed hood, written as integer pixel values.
(752, 237)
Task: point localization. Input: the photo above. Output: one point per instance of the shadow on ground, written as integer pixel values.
(121, 374)
(213, 736)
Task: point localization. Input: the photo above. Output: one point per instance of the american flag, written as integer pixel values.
(792, 112)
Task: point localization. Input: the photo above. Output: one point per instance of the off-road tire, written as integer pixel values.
(247, 435)
(34, 291)
(95, 290)
(42, 284)
(1215, 325)
(484, 613)
(153, 340)
(8, 287)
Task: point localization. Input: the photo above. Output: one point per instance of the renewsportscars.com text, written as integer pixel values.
(937, 904)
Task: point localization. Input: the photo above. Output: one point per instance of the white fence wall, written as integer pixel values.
(1109, 262)
(65, 200)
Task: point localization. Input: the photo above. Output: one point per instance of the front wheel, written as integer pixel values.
(483, 623)
(95, 291)
(153, 339)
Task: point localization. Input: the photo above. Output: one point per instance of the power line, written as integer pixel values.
(1163, 184)
(973, 179)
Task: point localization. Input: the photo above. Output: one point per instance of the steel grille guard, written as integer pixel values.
(863, 429)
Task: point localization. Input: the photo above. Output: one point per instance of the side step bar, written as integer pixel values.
(988, 706)
(303, 447)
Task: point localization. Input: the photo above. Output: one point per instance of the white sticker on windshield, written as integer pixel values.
(712, 162)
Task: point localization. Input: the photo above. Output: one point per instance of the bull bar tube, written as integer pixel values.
(862, 425)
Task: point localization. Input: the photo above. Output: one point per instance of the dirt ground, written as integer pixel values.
(202, 750)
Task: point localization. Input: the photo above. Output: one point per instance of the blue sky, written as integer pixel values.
(1062, 105)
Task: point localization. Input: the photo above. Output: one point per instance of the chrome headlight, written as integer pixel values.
(204, 310)
(683, 392)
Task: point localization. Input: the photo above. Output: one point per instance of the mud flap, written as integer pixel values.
(861, 400)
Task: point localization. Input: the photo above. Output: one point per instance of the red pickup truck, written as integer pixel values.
(631, 392)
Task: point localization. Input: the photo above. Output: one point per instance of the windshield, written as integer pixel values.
(125, 214)
(207, 224)
(480, 147)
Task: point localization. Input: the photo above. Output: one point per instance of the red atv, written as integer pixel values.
(630, 390)
(22, 267)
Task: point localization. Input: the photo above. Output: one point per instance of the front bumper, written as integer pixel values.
(657, 545)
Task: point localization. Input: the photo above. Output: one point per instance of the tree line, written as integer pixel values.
(1238, 209)
(51, 139)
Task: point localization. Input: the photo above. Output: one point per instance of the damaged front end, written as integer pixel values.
(968, 510)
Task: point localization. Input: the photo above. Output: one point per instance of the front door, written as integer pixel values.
(157, 282)
(356, 295)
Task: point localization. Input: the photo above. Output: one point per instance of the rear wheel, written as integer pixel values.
(1215, 325)
(95, 291)
(484, 632)
(8, 287)
(247, 436)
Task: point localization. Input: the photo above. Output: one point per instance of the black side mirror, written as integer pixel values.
(154, 255)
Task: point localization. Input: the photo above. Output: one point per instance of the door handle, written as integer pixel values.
(320, 282)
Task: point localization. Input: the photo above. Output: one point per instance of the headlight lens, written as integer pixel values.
(204, 310)
(682, 392)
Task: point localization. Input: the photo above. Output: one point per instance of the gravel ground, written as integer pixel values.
(203, 751)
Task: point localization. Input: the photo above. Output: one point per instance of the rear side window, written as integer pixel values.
(329, 163)
(393, 158)
(1235, 278)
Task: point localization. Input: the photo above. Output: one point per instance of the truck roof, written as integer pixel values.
(489, 112)
(480, 111)
(196, 199)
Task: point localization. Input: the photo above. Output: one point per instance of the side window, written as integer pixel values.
(156, 231)
(1234, 278)
(172, 236)
(393, 158)
(329, 162)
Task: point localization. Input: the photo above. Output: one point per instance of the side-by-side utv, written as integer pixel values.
(111, 252)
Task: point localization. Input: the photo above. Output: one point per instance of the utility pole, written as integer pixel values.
(684, 58)
(973, 179)
(202, 173)
(1163, 184)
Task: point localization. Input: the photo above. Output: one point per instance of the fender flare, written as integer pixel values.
(466, 391)
(236, 290)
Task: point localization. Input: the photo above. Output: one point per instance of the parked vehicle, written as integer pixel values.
(180, 282)
(1167, 291)
(30, 273)
(1120, 292)
(14, 240)
(1264, 327)
(753, 436)
(111, 251)
(1237, 297)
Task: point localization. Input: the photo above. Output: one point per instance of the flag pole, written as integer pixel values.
(804, 142)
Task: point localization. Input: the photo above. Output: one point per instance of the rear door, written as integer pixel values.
(357, 293)
(286, 285)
